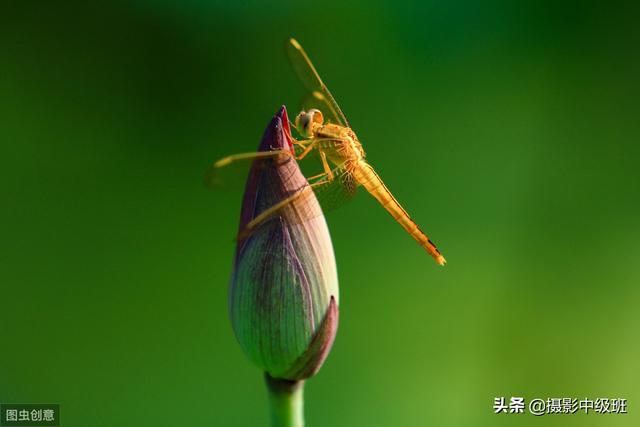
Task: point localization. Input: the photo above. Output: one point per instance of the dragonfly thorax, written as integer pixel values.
(339, 143)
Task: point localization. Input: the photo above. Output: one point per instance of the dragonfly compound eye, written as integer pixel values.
(306, 120)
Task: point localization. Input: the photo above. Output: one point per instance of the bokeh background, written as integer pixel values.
(509, 130)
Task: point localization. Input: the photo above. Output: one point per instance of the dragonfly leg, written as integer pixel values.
(292, 125)
(310, 144)
(314, 177)
(301, 142)
(307, 149)
(325, 165)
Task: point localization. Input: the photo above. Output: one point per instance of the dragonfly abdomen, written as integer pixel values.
(369, 179)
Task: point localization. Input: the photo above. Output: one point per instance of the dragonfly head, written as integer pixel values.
(308, 121)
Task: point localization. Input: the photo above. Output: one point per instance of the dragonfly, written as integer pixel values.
(342, 157)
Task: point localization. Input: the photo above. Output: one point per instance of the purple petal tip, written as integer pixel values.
(277, 136)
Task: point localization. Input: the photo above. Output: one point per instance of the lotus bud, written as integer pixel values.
(284, 288)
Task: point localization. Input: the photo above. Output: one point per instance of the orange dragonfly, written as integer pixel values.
(341, 155)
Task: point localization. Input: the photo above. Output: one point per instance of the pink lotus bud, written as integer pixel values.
(284, 289)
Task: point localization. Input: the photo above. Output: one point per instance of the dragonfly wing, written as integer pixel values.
(233, 170)
(334, 193)
(319, 94)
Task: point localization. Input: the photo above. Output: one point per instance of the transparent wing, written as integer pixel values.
(231, 172)
(319, 96)
(334, 193)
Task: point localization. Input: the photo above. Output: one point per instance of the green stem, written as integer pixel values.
(286, 401)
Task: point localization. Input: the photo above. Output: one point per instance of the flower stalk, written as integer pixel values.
(286, 401)
(283, 299)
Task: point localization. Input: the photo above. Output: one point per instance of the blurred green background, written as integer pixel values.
(509, 130)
